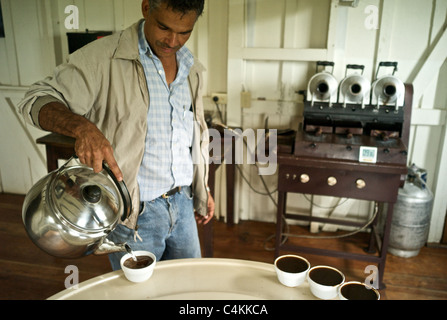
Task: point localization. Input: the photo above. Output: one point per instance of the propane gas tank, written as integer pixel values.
(411, 216)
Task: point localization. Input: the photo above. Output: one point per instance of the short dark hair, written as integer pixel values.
(182, 6)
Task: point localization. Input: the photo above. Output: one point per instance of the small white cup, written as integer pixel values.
(354, 290)
(292, 279)
(141, 274)
(322, 288)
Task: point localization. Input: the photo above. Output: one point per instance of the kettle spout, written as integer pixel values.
(109, 247)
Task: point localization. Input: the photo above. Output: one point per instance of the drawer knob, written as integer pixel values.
(304, 178)
(331, 181)
(360, 183)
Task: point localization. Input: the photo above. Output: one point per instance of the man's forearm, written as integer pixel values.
(57, 118)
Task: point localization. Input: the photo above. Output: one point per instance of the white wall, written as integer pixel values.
(266, 47)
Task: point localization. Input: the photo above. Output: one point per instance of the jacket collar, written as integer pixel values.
(128, 43)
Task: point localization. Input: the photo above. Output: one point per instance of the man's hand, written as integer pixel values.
(210, 212)
(91, 146)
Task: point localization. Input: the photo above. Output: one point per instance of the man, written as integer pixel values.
(133, 101)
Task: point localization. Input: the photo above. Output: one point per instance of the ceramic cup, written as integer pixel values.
(354, 290)
(324, 281)
(291, 270)
(138, 274)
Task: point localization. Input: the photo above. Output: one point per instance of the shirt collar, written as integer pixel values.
(143, 45)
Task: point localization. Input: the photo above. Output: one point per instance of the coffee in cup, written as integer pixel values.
(324, 281)
(141, 262)
(140, 270)
(354, 290)
(291, 270)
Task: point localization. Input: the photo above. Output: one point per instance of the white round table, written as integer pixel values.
(192, 279)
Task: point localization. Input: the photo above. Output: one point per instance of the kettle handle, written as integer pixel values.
(123, 191)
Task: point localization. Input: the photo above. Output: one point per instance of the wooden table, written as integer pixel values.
(381, 185)
(57, 147)
(328, 163)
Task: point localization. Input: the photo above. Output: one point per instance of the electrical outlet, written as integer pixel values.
(245, 99)
(219, 98)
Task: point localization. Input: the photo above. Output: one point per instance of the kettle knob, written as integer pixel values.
(91, 193)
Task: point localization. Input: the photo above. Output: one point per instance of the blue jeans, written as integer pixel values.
(167, 228)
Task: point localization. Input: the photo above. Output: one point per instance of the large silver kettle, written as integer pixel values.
(70, 212)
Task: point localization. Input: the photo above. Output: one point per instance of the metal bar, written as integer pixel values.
(324, 220)
(332, 253)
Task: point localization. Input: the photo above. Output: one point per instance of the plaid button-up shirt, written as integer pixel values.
(167, 161)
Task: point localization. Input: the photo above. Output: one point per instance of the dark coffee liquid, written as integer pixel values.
(355, 291)
(291, 264)
(326, 276)
(142, 262)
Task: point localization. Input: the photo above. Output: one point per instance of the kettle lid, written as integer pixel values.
(87, 200)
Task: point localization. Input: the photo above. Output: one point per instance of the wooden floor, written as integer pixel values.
(28, 273)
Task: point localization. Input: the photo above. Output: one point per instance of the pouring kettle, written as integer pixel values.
(69, 212)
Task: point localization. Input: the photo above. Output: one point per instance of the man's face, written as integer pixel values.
(167, 31)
